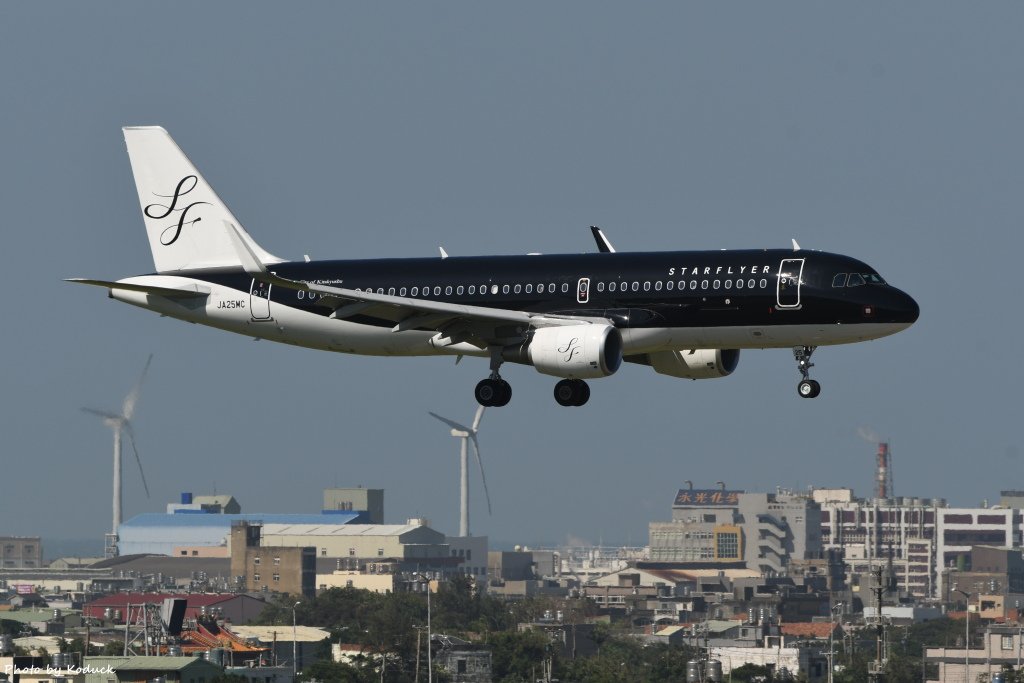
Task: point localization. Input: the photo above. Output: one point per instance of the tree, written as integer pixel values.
(750, 673)
(334, 672)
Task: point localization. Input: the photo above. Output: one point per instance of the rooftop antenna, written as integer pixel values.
(467, 434)
(120, 424)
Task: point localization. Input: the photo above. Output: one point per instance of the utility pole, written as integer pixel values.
(967, 633)
(876, 673)
(295, 644)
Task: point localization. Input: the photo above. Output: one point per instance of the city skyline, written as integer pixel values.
(887, 133)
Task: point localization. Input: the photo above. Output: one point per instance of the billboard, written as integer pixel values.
(702, 497)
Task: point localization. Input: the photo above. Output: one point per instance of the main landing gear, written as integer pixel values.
(807, 388)
(572, 392)
(493, 392)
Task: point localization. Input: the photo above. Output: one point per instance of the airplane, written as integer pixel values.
(685, 314)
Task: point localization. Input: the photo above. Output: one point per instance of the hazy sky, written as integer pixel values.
(891, 132)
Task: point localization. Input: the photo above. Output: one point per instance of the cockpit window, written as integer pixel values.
(874, 279)
(856, 280)
(839, 280)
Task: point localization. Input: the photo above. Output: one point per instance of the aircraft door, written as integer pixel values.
(259, 300)
(788, 292)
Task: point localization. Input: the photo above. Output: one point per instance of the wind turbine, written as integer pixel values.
(467, 434)
(121, 423)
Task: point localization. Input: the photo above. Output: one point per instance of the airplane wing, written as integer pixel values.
(454, 323)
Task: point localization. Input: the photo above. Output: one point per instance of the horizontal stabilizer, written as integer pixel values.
(184, 292)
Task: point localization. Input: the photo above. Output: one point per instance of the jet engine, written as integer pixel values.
(572, 351)
(695, 363)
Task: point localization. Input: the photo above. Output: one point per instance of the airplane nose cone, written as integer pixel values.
(906, 308)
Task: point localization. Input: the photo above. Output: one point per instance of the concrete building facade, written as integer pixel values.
(370, 502)
(21, 552)
(268, 568)
(924, 538)
(763, 531)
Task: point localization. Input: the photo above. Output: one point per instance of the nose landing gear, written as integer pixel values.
(807, 388)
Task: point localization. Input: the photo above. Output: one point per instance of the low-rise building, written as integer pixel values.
(257, 567)
(1001, 646)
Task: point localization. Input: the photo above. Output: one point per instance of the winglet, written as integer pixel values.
(796, 247)
(444, 254)
(603, 245)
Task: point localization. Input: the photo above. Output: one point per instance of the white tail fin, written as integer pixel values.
(184, 217)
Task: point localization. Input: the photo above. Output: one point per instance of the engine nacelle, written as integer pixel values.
(695, 363)
(572, 351)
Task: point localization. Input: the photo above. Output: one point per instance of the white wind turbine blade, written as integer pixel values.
(133, 396)
(483, 477)
(450, 423)
(131, 439)
(479, 416)
(106, 414)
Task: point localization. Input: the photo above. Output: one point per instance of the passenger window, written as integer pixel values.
(459, 290)
(517, 289)
(504, 289)
(472, 289)
(600, 286)
(839, 280)
(448, 290)
(704, 284)
(739, 284)
(636, 286)
(657, 286)
(494, 289)
(669, 285)
(565, 287)
(647, 285)
(611, 286)
(855, 280)
(728, 284)
(529, 288)
(716, 284)
(437, 291)
(750, 284)
(391, 291)
(415, 291)
(693, 284)
(764, 284)
(401, 292)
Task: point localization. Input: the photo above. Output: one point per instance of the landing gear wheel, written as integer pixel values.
(493, 393)
(572, 392)
(487, 392)
(808, 388)
(504, 393)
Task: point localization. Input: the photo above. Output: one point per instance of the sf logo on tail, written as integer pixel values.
(171, 233)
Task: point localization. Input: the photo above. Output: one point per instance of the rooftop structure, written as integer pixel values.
(160, 534)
